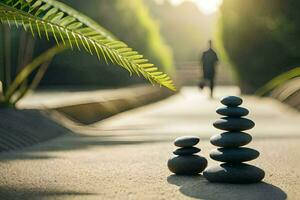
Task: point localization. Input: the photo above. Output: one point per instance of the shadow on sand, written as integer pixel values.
(8, 193)
(198, 187)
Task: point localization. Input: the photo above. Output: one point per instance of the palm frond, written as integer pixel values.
(277, 81)
(29, 68)
(45, 18)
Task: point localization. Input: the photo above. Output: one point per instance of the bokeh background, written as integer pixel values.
(256, 41)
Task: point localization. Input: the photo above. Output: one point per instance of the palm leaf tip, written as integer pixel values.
(69, 27)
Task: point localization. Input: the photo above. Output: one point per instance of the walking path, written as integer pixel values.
(125, 156)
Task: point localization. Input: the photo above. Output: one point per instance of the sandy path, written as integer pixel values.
(124, 157)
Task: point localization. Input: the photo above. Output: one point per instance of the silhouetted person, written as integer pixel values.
(209, 60)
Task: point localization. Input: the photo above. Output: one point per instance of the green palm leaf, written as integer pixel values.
(47, 18)
(277, 81)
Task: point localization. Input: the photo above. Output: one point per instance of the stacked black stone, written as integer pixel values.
(185, 162)
(231, 153)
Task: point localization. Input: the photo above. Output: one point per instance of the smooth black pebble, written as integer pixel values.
(233, 111)
(231, 139)
(187, 165)
(234, 173)
(234, 155)
(231, 101)
(186, 141)
(234, 124)
(186, 151)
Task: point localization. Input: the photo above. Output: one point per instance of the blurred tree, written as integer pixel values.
(261, 39)
(131, 22)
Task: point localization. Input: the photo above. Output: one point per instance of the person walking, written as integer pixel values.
(209, 60)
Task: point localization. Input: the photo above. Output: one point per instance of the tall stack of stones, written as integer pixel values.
(230, 143)
(185, 160)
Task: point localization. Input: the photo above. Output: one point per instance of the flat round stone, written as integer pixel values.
(233, 111)
(186, 151)
(186, 141)
(231, 101)
(234, 173)
(231, 139)
(187, 165)
(234, 124)
(234, 155)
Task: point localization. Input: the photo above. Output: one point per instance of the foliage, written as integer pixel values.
(15, 92)
(69, 28)
(16, 52)
(132, 23)
(277, 81)
(261, 39)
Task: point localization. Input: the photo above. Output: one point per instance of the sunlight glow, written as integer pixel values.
(205, 6)
(208, 6)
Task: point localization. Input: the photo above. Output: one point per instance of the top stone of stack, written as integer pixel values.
(231, 101)
(186, 141)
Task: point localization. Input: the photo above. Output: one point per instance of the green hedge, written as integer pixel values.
(130, 21)
(261, 39)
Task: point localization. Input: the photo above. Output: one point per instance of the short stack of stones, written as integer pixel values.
(231, 152)
(185, 162)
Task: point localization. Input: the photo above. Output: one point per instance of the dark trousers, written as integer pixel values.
(212, 85)
(210, 82)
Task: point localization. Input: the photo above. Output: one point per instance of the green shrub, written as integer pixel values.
(260, 39)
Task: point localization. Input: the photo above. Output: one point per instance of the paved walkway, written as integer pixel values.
(124, 157)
